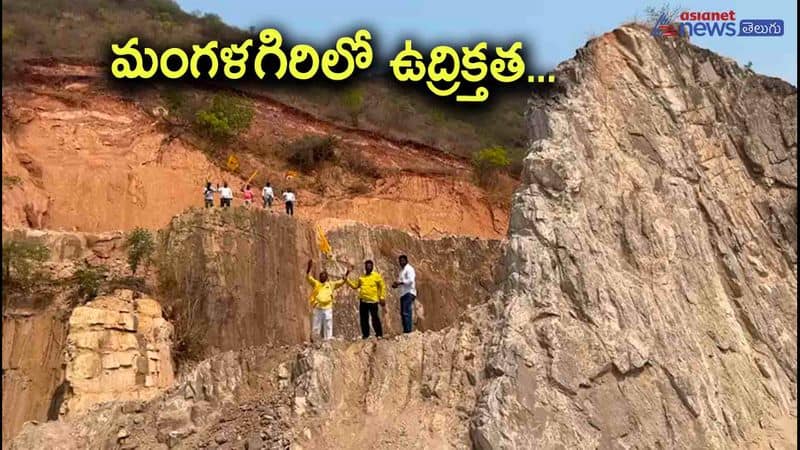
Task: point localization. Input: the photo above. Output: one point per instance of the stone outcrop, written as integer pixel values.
(118, 349)
(33, 344)
(22, 186)
(243, 270)
(652, 279)
(418, 388)
(66, 246)
(226, 388)
(246, 269)
(413, 391)
(35, 323)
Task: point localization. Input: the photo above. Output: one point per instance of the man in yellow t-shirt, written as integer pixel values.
(322, 300)
(371, 292)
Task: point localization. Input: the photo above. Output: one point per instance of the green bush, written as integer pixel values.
(174, 98)
(89, 279)
(488, 162)
(140, 248)
(310, 150)
(21, 260)
(225, 117)
(164, 7)
(132, 282)
(353, 101)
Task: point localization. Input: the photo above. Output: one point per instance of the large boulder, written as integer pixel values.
(118, 349)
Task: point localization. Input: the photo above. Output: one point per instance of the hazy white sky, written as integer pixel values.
(550, 30)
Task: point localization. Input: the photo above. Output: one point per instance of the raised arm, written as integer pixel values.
(339, 283)
(311, 280)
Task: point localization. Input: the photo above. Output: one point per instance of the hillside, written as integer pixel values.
(85, 29)
(80, 155)
(645, 296)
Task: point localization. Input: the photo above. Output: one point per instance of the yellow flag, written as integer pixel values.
(251, 177)
(324, 245)
(233, 162)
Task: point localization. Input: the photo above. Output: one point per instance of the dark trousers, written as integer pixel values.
(290, 208)
(406, 312)
(209, 203)
(225, 202)
(365, 311)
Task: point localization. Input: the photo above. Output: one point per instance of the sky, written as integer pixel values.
(550, 31)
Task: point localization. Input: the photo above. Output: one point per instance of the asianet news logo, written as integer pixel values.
(714, 24)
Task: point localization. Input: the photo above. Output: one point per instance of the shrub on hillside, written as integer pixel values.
(191, 329)
(140, 248)
(89, 280)
(130, 282)
(22, 260)
(225, 117)
(353, 100)
(354, 161)
(667, 10)
(309, 151)
(11, 180)
(175, 99)
(488, 162)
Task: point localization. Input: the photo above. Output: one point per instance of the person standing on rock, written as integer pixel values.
(208, 194)
(289, 199)
(247, 193)
(225, 195)
(268, 195)
(322, 301)
(407, 282)
(371, 292)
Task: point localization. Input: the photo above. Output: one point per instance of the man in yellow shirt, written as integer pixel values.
(322, 300)
(371, 292)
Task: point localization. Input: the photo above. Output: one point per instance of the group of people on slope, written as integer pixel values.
(267, 195)
(371, 294)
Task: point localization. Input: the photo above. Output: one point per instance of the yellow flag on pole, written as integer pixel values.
(251, 177)
(233, 163)
(322, 242)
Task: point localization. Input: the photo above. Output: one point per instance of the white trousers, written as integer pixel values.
(322, 321)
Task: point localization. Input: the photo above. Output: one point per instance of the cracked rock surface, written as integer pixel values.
(651, 297)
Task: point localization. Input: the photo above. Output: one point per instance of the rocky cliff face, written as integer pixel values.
(35, 325)
(651, 296)
(242, 271)
(33, 343)
(246, 272)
